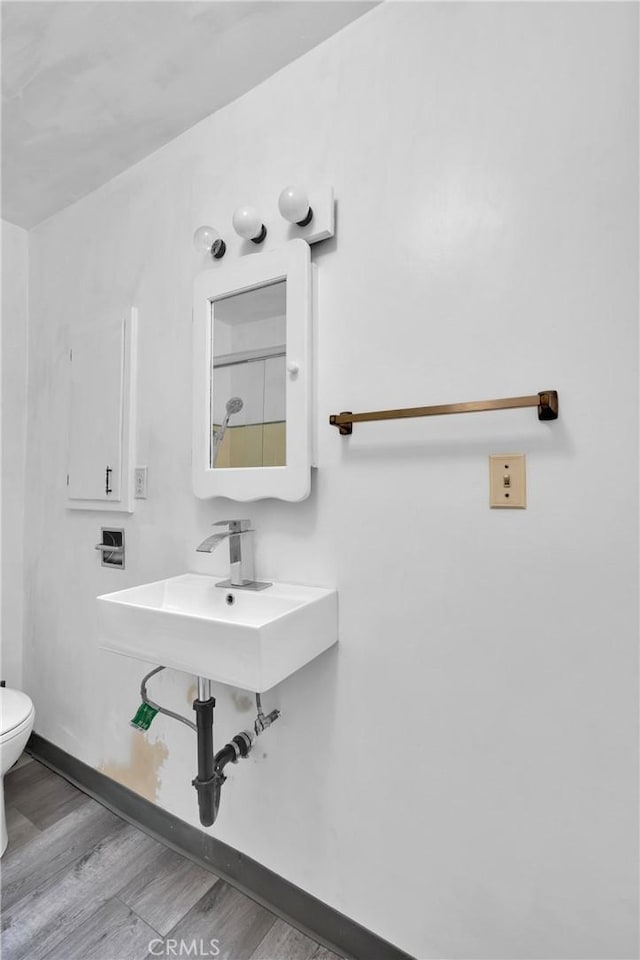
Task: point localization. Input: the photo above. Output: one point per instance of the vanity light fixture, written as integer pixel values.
(294, 206)
(248, 224)
(207, 240)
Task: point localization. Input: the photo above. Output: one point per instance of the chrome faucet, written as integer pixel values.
(240, 554)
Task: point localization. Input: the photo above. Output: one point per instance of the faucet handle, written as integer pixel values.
(235, 526)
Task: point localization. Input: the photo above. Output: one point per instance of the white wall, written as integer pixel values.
(459, 774)
(14, 426)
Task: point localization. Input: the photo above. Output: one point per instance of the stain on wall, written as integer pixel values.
(142, 773)
(241, 701)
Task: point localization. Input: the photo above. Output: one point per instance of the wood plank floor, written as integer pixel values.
(79, 883)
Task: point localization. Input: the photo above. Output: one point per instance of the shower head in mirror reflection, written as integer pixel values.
(234, 405)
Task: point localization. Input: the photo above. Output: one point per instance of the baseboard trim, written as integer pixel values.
(299, 908)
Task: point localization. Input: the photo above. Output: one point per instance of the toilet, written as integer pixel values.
(16, 722)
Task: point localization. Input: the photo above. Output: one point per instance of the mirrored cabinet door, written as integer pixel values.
(252, 377)
(248, 385)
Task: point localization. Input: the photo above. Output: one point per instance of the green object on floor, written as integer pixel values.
(144, 716)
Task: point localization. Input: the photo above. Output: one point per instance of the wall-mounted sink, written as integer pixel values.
(247, 639)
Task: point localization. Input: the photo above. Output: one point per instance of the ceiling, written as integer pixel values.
(89, 88)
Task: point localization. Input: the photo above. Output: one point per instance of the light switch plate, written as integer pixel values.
(140, 486)
(508, 481)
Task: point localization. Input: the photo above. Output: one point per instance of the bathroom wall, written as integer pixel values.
(459, 773)
(14, 424)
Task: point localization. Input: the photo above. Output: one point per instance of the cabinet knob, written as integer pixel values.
(293, 367)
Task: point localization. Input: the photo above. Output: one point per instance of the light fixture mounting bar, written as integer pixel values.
(322, 224)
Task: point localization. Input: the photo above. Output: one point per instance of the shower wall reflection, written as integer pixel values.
(248, 396)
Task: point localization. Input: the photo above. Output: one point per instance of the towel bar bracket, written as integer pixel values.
(548, 405)
(345, 427)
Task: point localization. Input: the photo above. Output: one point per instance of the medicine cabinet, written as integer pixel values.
(102, 359)
(252, 377)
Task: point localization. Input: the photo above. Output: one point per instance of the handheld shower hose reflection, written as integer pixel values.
(234, 405)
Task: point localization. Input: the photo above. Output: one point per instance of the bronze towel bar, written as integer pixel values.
(546, 402)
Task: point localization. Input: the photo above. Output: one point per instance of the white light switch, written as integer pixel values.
(141, 483)
(508, 481)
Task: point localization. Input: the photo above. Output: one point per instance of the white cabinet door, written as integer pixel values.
(101, 409)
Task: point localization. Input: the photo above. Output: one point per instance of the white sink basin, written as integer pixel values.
(188, 623)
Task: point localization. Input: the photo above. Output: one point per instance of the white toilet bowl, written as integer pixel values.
(16, 722)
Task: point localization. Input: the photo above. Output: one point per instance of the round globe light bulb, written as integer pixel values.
(204, 237)
(293, 204)
(207, 240)
(248, 224)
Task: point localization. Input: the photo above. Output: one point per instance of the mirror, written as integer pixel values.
(252, 384)
(248, 385)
